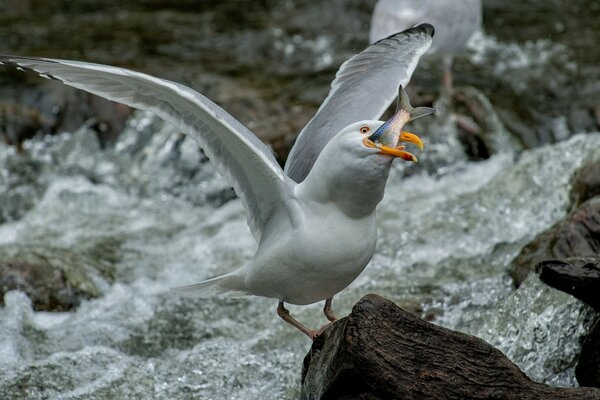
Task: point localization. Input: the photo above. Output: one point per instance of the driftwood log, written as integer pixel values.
(383, 352)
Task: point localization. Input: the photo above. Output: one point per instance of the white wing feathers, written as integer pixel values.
(239, 155)
(364, 86)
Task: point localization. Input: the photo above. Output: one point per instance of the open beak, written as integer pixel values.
(390, 132)
(393, 151)
(411, 138)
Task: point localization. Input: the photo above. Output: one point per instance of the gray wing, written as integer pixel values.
(240, 156)
(363, 88)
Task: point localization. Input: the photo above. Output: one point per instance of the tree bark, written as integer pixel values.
(382, 352)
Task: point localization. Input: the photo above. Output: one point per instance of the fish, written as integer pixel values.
(390, 134)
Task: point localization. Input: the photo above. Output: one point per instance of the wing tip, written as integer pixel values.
(426, 27)
(19, 62)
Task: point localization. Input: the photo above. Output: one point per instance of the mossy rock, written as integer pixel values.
(56, 279)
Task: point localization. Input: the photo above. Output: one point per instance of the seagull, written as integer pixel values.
(455, 22)
(314, 222)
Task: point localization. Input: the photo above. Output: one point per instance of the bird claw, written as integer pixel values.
(315, 334)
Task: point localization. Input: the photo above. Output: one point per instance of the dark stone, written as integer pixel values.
(51, 107)
(383, 352)
(586, 183)
(578, 235)
(55, 279)
(578, 276)
(588, 367)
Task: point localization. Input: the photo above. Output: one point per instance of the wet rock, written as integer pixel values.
(18, 123)
(20, 187)
(51, 107)
(382, 352)
(588, 367)
(578, 235)
(485, 134)
(586, 183)
(55, 279)
(579, 276)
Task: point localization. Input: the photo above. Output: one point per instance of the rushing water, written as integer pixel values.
(155, 205)
(150, 212)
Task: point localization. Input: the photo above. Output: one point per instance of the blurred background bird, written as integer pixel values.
(455, 22)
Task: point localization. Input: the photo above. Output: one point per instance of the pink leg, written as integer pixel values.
(328, 311)
(285, 315)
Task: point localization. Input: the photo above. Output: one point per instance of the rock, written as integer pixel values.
(578, 235)
(586, 183)
(51, 107)
(383, 352)
(55, 279)
(19, 123)
(578, 276)
(588, 367)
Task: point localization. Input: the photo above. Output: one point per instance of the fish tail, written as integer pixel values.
(404, 104)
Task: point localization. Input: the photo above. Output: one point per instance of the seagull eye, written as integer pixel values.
(364, 129)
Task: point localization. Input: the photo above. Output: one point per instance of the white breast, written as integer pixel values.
(314, 261)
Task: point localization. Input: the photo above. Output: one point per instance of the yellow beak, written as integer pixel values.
(392, 151)
(411, 138)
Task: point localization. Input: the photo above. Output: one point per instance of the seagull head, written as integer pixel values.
(389, 134)
(352, 169)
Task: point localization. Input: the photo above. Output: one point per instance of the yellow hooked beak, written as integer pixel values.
(411, 138)
(398, 151)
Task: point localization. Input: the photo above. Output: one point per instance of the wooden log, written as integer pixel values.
(383, 352)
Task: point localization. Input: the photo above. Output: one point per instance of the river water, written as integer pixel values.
(445, 243)
(153, 211)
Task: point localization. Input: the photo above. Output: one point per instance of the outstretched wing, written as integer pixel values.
(240, 156)
(363, 88)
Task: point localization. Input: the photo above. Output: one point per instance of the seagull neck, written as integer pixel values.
(356, 192)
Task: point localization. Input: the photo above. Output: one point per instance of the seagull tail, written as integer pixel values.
(229, 285)
(404, 104)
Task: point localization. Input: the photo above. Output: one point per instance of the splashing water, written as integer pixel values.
(444, 245)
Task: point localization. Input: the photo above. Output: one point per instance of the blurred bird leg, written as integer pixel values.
(447, 75)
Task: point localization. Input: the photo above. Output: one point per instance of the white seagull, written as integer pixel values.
(314, 223)
(455, 22)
